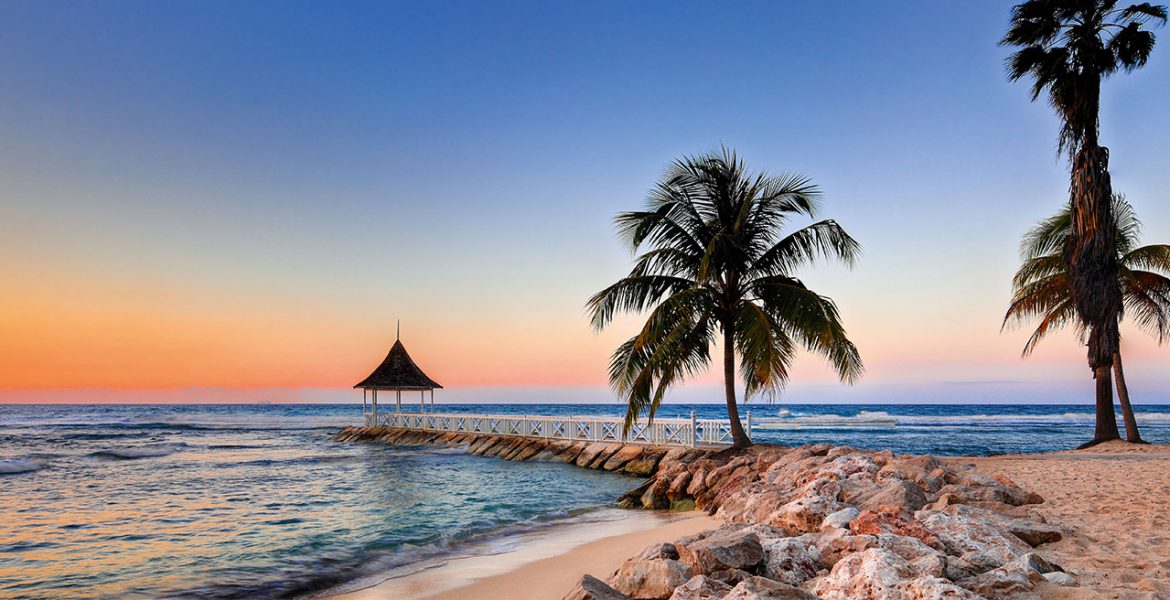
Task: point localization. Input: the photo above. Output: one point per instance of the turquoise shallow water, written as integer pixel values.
(256, 502)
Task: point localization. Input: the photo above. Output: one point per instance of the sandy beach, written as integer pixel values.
(548, 565)
(1116, 500)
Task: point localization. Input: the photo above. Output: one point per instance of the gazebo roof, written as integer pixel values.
(398, 371)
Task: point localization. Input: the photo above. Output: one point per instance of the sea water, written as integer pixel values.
(255, 501)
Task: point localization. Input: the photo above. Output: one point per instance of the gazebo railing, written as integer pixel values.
(661, 432)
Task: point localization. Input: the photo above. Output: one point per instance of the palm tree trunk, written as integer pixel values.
(739, 437)
(1091, 257)
(1131, 427)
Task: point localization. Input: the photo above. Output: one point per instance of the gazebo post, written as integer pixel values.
(422, 401)
(397, 400)
(432, 399)
(364, 403)
(375, 392)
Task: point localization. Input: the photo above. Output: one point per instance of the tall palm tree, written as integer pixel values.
(1068, 47)
(1042, 287)
(714, 260)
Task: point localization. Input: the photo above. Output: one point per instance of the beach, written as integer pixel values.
(1116, 500)
(548, 564)
(1112, 501)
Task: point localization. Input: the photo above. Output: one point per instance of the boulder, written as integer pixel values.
(624, 455)
(790, 560)
(973, 536)
(759, 588)
(879, 574)
(644, 465)
(701, 587)
(603, 456)
(1008, 582)
(723, 549)
(1060, 578)
(840, 519)
(875, 523)
(590, 453)
(592, 588)
(678, 486)
(897, 495)
(658, 551)
(650, 579)
(804, 515)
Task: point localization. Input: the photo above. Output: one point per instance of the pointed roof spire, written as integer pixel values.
(398, 371)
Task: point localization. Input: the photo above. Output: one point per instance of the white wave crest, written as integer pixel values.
(133, 453)
(13, 467)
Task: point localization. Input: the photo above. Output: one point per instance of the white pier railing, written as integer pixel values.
(661, 432)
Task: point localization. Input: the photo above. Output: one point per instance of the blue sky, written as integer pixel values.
(293, 177)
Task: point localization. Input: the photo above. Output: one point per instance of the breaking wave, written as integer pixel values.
(135, 453)
(14, 467)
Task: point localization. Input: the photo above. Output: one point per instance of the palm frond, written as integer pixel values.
(811, 319)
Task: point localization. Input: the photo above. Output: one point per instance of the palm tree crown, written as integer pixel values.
(713, 260)
(1069, 46)
(1042, 289)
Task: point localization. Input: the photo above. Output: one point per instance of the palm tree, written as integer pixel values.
(714, 261)
(1068, 47)
(1042, 288)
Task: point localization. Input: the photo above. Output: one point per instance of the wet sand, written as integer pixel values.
(541, 566)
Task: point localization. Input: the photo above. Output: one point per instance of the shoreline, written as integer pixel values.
(1111, 501)
(549, 561)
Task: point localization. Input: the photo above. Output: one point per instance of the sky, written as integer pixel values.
(237, 201)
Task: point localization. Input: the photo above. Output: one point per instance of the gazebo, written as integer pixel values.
(398, 373)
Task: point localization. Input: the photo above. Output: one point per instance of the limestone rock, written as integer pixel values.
(1008, 582)
(723, 549)
(650, 579)
(896, 495)
(658, 551)
(701, 587)
(592, 588)
(624, 455)
(759, 588)
(790, 560)
(840, 519)
(644, 465)
(1061, 578)
(879, 574)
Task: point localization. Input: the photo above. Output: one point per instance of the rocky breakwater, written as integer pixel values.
(629, 459)
(837, 523)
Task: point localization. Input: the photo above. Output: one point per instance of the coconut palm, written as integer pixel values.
(1042, 287)
(1068, 47)
(713, 260)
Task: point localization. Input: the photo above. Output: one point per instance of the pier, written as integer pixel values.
(688, 433)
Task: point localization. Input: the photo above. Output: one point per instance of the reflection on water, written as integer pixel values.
(237, 512)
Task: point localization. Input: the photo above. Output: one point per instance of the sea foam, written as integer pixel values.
(14, 467)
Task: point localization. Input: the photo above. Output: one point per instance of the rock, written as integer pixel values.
(840, 519)
(759, 588)
(879, 574)
(1061, 578)
(971, 535)
(650, 579)
(603, 456)
(644, 465)
(896, 496)
(590, 453)
(731, 576)
(701, 587)
(592, 588)
(838, 543)
(873, 523)
(1039, 564)
(723, 550)
(696, 486)
(1033, 533)
(790, 560)
(624, 455)
(678, 486)
(804, 515)
(658, 551)
(1009, 582)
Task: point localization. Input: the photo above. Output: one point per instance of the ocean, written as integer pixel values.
(255, 501)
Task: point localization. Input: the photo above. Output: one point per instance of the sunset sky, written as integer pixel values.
(220, 201)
